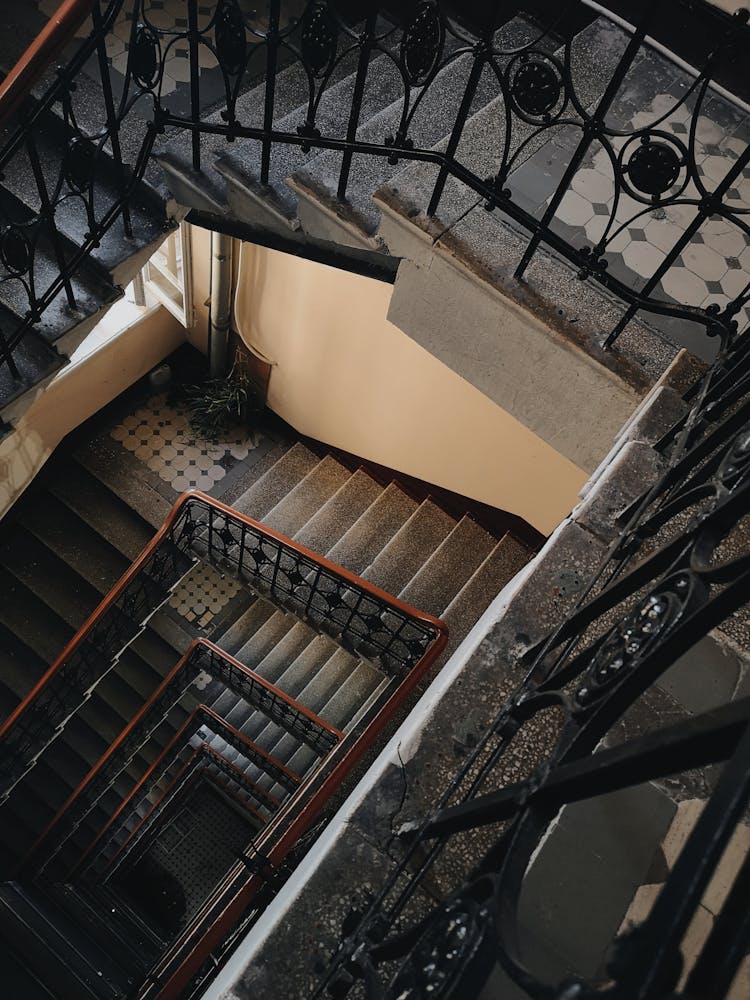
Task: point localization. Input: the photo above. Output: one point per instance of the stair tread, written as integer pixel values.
(363, 541)
(102, 457)
(294, 510)
(326, 526)
(34, 358)
(470, 603)
(274, 485)
(383, 86)
(235, 636)
(441, 577)
(102, 510)
(264, 639)
(406, 551)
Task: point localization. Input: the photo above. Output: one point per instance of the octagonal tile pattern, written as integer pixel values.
(159, 434)
(202, 594)
(714, 266)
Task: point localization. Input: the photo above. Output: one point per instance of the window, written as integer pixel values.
(167, 277)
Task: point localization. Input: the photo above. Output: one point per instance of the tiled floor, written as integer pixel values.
(159, 434)
(203, 594)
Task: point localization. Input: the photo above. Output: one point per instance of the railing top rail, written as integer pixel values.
(187, 498)
(30, 68)
(193, 649)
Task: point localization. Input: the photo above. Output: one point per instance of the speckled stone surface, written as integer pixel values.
(326, 527)
(403, 555)
(274, 485)
(362, 542)
(307, 497)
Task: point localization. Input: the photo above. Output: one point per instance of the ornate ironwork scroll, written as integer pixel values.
(679, 568)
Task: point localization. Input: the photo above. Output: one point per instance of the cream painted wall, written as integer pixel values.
(124, 345)
(345, 375)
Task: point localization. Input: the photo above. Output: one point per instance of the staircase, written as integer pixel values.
(64, 549)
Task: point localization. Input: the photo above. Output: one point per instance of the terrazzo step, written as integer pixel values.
(102, 458)
(34, 358)
(360, 545)
(257, 645)
(404, 554)
(285, 651)
(339, 513)
(235, 636)
(241, 166)
(501, 565)
(433, 118)
(301, 503)
(438, 581)
(102, 509)
(274, 484)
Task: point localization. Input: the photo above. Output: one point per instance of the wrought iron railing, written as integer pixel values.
(679, 567)
(201, 657)
(357, 615)
(195, 769)
(537, 80)
(103, 847)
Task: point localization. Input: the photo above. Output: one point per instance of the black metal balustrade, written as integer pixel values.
(679, 567)
(539, 96)
(358, 616)
(202, 657)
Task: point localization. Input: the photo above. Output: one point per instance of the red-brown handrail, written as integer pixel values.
(199, 751)
(143, 712)
(376, 592)
(46, 47)
(196, 719)
(173, 973)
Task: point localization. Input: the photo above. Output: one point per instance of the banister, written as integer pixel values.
(193, 653)
(201, 715)
(30, 68)
(400, 649)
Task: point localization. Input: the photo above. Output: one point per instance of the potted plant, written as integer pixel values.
(219, 405)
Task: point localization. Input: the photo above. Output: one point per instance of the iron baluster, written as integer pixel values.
(113, 125)
(363, 64)
(590, 129)
(272, 54)
(195, 104)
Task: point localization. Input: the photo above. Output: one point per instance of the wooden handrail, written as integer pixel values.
(430, 621)
(193, 648)
(197, 716)
(48, 44)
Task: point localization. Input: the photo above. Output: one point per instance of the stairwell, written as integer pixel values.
(66, 545)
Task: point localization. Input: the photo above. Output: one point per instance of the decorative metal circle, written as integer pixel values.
(536, 87)
(15, 251)
(144, 57)
(456, 949)
(735, 466)
(319, 39)
(653, 167)
(633, 638)
(422, 44)
(79, 164)
(231, 40)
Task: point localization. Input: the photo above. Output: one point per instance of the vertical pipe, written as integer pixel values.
(221, 304)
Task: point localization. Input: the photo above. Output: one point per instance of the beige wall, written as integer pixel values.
(345, 375)
(126, 344)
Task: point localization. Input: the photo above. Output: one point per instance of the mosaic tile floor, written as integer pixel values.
(203, 594)
(159, 434)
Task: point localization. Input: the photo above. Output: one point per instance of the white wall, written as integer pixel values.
(124, 345)
(345, 375)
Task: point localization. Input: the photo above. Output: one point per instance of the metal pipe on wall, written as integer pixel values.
(221, 304)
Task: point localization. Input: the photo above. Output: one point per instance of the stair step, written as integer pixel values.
(18, 979)
(274, 485)
(34, 358)
(261, 642)
(285, 651)
(242, 165)
(33, 623)
(326, 527)
(470, 603)
(441, 577)
(409, 548)
(361, 544)
(308, 496)
(66, 971)
(104, 511)
(247, 624)
(102, 457)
